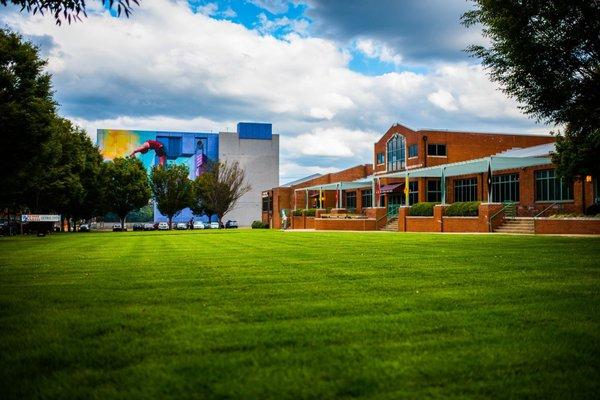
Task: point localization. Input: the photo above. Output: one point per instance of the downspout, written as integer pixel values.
(425, 151)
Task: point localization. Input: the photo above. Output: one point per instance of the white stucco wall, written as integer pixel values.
(260, 160)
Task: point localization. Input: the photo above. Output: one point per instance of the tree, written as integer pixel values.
(125, 186)
(219, 189)
(546, 54)
(69, 10)
(65, 178)
(27, 113)
(172, 189)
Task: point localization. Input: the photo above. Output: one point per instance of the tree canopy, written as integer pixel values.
(69, 10)
(125, 186)
(27, 113)
(172, 189)
(546, 54)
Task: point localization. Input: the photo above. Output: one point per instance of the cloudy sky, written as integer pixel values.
(331, 76)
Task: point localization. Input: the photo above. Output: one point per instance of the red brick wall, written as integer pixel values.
(329, 224)
(461, 224)
(460, 146)
(567, 226)
(422, 224)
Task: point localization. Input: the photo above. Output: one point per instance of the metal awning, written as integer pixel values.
(389, 188)
(496, 163)
(338, 186)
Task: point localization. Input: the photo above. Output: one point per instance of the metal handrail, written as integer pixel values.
(507, 205)
(545, 209)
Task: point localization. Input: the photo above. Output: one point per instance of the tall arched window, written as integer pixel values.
(396, 153)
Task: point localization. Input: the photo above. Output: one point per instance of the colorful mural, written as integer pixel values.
(194, 149)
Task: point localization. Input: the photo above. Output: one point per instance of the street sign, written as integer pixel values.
(40, 218)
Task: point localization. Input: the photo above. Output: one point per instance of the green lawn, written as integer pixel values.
(269, 314)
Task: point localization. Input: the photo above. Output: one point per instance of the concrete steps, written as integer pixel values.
(517, 225)
(391, 226)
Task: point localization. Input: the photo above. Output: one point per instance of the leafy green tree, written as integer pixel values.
(125, 186)
(219, 189)
(27, 112)
(172, 189)
(69, 10)
(546, 54)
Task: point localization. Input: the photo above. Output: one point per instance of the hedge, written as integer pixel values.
(297, 213)
(259, 225)
(310, 212)
(463, 209)
(424, 209)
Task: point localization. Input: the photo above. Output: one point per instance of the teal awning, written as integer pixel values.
(339, 186)
(497, 163)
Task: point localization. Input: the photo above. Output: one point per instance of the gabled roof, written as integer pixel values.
(301, 180)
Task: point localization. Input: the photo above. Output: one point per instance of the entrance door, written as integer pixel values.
(395, 200)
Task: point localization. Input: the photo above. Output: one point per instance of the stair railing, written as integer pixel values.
(545, 209)
(504, 209)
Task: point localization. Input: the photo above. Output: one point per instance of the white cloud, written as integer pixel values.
(443, 100)
(290, 171)
(332, 142)
(273, 6)
(378, 50)
(169, 68)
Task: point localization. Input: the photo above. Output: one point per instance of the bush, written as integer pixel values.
(310, 212)
(259, 225)
(463, 209)
(297, 213)
(421, 210)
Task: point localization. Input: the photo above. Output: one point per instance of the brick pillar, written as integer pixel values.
(486, 210)
(402, 214)
(358, 201)
(438, 214)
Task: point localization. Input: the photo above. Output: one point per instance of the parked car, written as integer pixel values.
(138, 227)
(163, 226)
(231, 224)
(198, 225)
(117, 228)
(181, 226)
(84, 228)
(149, 227)
(214, 225)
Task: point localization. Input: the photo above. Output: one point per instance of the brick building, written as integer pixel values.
(439, 166)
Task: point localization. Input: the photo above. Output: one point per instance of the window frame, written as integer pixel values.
(396, 156)
(465, 190)
(350, 195)
(413, 192)
(561, 185)
(413, 150)
(437, 192)
(437, 147)
(505, 184)
(367, 198)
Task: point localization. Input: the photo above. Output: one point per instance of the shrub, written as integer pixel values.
(421, 210)
(259, 225)
(297, 213)
(463, 209)
(310, 212)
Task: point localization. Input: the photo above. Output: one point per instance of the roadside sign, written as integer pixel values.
(40, 218)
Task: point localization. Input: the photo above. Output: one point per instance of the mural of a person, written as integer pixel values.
(201, 161)
(158, 147)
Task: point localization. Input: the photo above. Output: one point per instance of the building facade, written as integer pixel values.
(440, 166)
(253, 146)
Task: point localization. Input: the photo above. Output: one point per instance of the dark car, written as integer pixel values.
(84, 228)
(138, 227)
(231, 224)
(117, 228)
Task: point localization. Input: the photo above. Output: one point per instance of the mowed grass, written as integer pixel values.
(282, 315)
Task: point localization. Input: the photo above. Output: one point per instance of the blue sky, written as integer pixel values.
(331, 76)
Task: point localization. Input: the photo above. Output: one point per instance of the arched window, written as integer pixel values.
(396, 153)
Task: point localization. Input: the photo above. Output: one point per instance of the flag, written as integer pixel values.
(406, 190)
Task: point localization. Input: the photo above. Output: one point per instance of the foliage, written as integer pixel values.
(27, 112)
(259, 225)
(594, 209)
(267, 314)
(219, 188)
(546, 54)
(297, 212)
(462, 209)
(125, 186)
(310, 212)
(69, 10)
(171, 188)
(424, 209)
